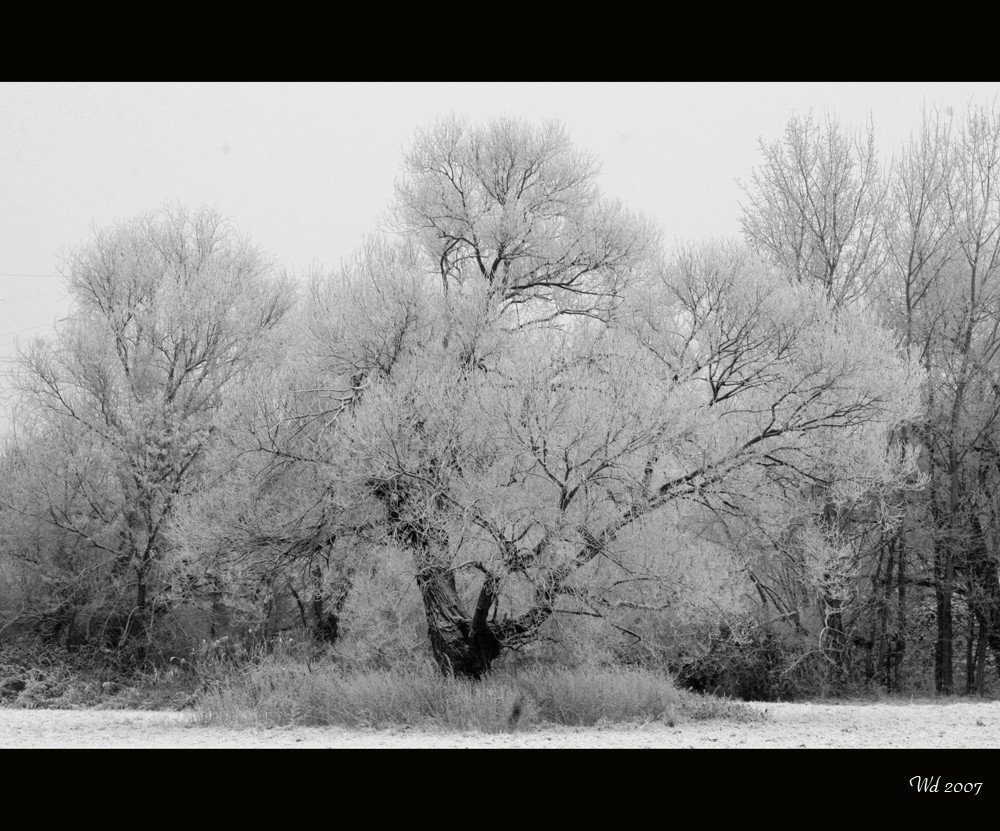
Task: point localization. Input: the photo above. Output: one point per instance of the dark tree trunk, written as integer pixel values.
(944, 645)
(139, 618)
(979, 682)
(318, 624)
(883, 661)
(970, 667)
(834, 638)
(984, 599)
(326, 625)
(944, 572)
(981, 664)
(467, 645)
(899, 643)
(462, 646)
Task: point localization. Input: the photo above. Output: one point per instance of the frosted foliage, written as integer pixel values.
(547, 460)
(816, 205)
(510, 415)
(517, 207)
(171, 310)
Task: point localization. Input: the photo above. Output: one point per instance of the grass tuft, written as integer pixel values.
(283, 692)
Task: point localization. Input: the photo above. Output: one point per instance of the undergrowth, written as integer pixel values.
(36, 676)
(283, 692)
(290, 683)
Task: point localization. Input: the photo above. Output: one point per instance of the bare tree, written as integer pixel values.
(522, 396)
(968, 353)
(518, 482)
(928, 254)
(169, 310)
(815, 204)
(516, 208)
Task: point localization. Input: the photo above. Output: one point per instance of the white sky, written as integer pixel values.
(306, 169)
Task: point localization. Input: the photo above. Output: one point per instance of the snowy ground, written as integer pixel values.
(897, 725)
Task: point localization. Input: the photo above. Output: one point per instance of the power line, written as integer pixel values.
(19, 274)
(35, 296)
(26, 329)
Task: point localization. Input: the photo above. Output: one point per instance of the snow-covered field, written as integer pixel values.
(897, 725)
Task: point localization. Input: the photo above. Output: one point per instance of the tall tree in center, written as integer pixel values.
(523, 387)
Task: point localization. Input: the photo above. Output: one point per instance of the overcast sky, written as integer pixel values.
(306, 169)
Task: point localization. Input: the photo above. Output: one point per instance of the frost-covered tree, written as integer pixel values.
(515, 391)
(814, 206)
(515, 209)
(527, 470)
(169, 311)
(927, 256)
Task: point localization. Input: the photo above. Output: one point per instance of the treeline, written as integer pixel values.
(514, 427)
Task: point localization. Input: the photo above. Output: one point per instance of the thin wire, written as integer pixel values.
(29, 296)
(26, 329)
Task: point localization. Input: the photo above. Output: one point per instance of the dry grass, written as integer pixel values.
(285, 692)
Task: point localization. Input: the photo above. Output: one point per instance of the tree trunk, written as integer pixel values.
(325, 625)
(899, 644)
(833, 632)
(944, 570)
(944, 645)
(984, 598)
(138, 619)
(979, 685)
(461, 646)
(978, 668)
(970, 668)
(883, 660)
